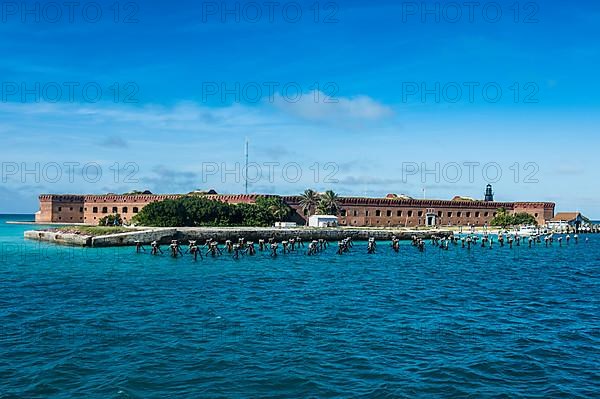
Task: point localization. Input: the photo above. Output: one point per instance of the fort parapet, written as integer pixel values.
(355, 211)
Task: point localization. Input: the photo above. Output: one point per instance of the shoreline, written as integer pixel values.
(34, 223)
(164, 235)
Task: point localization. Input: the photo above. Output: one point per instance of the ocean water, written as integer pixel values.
(109, 323)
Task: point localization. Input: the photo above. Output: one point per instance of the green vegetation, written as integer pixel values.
(92, 230)
(138, 192)
(111, 220)
(329, 204)
(309, 201)
(503, 219)
(194, 211)
(324, 204)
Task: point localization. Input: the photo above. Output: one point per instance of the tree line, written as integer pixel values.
(503, 219)
(196, 211)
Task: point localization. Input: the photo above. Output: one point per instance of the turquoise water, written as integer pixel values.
(108, 323)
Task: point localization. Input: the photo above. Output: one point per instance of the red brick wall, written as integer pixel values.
(377, 212)
(372, 212)
(60, 209)
(98, 206)
(541, 211)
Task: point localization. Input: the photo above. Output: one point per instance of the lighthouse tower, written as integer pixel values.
(489, 194)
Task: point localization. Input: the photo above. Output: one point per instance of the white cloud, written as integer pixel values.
(114, 142)
(371, 181)
(319, 107)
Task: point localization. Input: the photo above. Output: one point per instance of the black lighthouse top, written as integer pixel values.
(489, 195)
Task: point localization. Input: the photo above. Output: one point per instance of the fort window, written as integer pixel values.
(60, 209)
(343, 212)
(458, 214)
(410, 214)
(486, 214)
(125, 209)
(104, 209)
(377, 213)
(440, 214)
(95, 209)
(399, 213)
(81, 209)
(420, 214)
(135, 209)
(366, 213)
(59, 218)
(476, 214)
(449, 214)
(389, 213)
(305, 211)
(355, 213)
(468, 214)
(536, 215)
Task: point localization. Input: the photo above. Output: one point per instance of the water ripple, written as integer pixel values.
(113, 324)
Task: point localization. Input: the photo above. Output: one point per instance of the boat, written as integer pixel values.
(526, 231)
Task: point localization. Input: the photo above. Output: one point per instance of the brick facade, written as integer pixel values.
(384, 212)
(89, 209)
(356, 211)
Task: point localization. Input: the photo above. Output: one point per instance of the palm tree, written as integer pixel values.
(280, 211)
(309, 201)
(330, 203)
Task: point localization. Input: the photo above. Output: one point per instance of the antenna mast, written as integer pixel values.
(246, 168)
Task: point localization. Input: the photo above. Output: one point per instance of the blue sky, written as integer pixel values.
(360, 91)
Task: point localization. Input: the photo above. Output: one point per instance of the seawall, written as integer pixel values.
(221, 234)
(59, 238)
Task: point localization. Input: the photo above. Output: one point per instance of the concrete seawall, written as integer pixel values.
(221, 234)
(162, 236)
(59, 238)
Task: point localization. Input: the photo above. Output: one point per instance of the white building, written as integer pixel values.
(323, 221)
(565, 220)
(285, 224)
